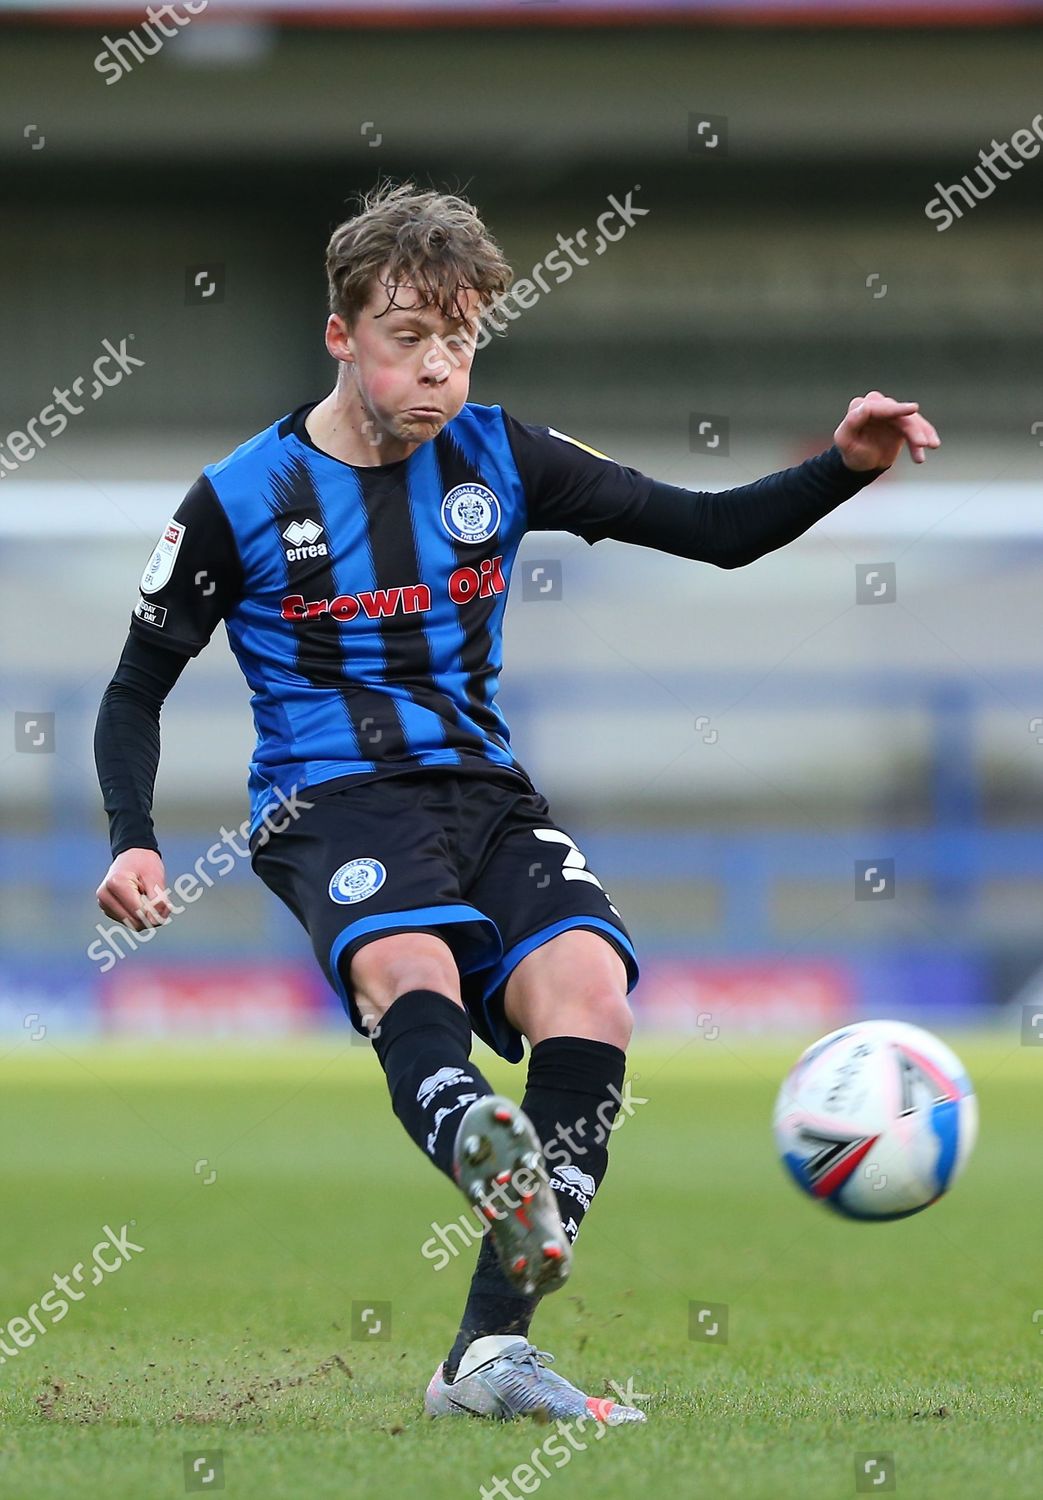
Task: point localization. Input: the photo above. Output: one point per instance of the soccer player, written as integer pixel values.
(359, 551)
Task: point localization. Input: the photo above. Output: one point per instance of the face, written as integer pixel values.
(407, 366)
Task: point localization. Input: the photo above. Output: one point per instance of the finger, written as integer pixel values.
(880, 409)
(860, 401)
(153, 909)
(159, 902)
(916, 430)
(110, 908)
(914, 440)
(120, 897)
(885, 408)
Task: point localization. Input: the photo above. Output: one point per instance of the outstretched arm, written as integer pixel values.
(574, 488)
(730, 528)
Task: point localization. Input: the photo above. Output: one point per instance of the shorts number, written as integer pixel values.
(574, 865)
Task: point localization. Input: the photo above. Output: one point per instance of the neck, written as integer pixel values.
(342, 427)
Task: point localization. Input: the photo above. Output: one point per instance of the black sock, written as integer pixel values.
(424, 1043)
(572, 1097)
(572, 1094)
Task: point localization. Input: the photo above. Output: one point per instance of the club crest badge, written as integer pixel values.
(357, 880)
(471, 513)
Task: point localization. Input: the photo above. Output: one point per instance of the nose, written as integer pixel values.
(436, 367)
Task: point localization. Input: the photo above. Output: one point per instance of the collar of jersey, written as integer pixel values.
(311, 447)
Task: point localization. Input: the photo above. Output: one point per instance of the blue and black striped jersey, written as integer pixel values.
(365, 604)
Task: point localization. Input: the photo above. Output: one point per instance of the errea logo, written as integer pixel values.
(303, 537)
(302, 531)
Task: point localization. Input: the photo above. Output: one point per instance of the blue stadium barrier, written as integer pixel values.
(952, 858)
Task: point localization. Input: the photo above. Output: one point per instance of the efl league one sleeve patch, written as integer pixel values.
(161, 564)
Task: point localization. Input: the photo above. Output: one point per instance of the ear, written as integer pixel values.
(339, 342)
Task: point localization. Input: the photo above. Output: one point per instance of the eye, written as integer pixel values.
(407, 338)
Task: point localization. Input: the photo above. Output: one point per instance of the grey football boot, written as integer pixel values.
(504, 1376)
(498, 1164)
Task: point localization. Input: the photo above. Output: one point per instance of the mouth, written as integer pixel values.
(426, 413)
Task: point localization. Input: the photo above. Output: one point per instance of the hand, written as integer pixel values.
(872, 433)
(135, 890)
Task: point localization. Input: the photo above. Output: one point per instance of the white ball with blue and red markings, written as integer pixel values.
(876, 1120)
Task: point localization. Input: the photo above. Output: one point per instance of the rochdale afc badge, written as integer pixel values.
(356, 880)
(471, 513)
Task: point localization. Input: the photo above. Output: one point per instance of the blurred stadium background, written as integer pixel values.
(734, 752)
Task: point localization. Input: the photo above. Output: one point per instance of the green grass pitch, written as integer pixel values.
(231, 1330)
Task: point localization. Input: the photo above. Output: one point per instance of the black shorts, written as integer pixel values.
(480, 863)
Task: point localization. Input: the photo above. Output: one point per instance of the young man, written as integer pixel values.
(359, 552)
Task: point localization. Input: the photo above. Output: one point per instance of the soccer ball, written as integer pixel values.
(876, 1119)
